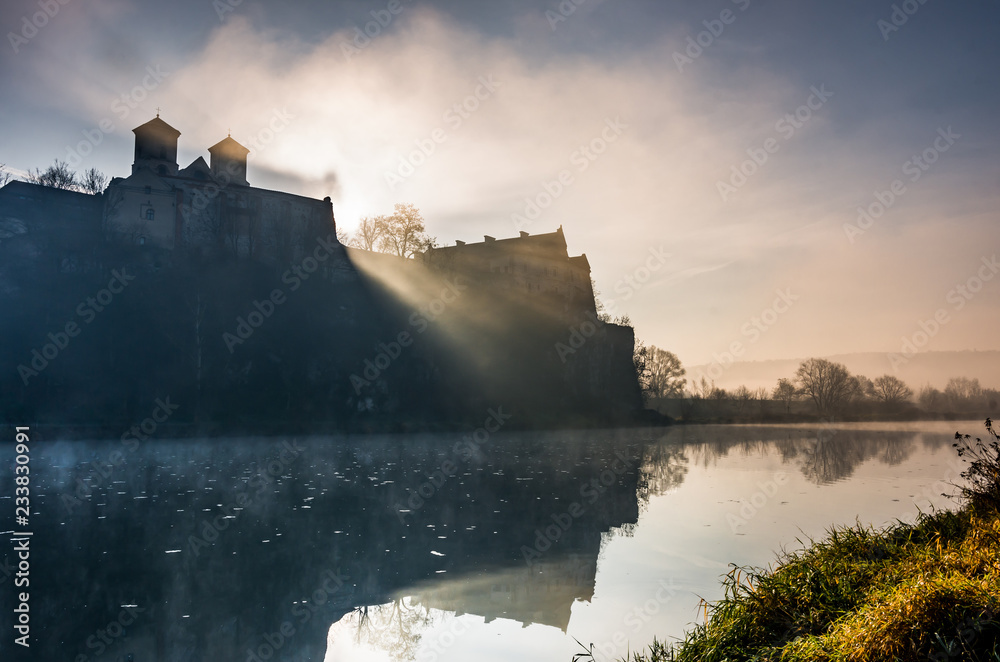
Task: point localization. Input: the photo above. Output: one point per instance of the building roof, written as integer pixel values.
(157, 126)
(198, 165)
(552, 240)
(228, 147)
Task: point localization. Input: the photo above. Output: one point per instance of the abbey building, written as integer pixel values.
(207, 205)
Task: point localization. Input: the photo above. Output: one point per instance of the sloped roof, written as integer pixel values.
(198, 165)
(227, 146)
(157, 126)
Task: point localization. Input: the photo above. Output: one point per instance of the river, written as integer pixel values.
(509, 545)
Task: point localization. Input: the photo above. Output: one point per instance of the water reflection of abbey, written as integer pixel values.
(223, 546)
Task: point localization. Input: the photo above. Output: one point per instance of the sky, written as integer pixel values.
(709, 158)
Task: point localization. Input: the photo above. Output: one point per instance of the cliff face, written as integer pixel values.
(333, 339)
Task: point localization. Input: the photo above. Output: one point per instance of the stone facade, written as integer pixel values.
(535, 267)
(205, 207)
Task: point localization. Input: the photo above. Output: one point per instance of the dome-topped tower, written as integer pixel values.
(230, 157)
(156, 147)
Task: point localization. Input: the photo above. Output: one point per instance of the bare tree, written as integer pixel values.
(862, 388)
(718, 393)
(829, 385)
(369, 233)
(666, 374)
(930, 398)
(891, 390)
(94, 181)
(603, 313)
(702, 389)
(640, 359)
(404, 234)
(5, 175)
(785, 392)
(963, 389)
(743, 397)
(58, 175)
(760, 395)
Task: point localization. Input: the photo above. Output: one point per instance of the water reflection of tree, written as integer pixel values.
(823, 456)
(831, 457)
(664, 466)
(395, 628)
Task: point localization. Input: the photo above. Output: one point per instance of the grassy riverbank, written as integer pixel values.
(926, 591)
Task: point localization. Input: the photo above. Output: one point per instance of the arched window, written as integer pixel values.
(150, 213)
(142, 241)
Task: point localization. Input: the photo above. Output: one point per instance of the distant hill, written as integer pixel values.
(934, 368)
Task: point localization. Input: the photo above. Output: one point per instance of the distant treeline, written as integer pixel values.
(819, 389)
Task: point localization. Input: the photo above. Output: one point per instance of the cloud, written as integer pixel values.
(623, 150)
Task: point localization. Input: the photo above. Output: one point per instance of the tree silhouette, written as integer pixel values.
(94, 181)
(785, 392)
(891, 390)
(829, 385)
(58, 175)
(666, 374)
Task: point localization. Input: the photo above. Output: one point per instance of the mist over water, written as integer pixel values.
(348, 547)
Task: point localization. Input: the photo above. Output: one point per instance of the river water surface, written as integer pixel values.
(436, 547)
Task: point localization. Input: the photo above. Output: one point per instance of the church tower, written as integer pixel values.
(156, 147)
(230, 157)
